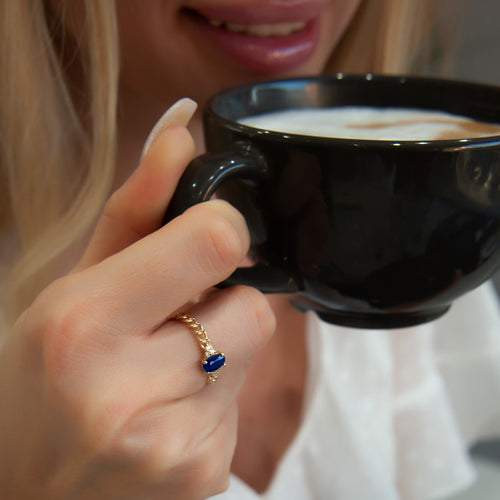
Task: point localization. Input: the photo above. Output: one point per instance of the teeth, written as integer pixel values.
(261, 30)
(237, 28)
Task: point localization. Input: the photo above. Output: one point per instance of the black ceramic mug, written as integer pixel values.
(367, 233)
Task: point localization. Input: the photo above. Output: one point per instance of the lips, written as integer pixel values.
(263, 38)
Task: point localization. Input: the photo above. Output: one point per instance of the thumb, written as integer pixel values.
(138, 207)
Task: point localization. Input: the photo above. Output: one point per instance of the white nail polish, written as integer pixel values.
(179, 113)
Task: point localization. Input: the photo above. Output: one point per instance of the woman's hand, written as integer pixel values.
(100, 396)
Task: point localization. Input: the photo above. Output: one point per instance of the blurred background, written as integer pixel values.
(479, 60)
(479, 56)
(479, 49)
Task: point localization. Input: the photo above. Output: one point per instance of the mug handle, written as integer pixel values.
(201, 179)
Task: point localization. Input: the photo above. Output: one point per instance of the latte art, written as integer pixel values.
(385, 124)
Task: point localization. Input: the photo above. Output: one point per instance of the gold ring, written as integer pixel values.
(211, 360)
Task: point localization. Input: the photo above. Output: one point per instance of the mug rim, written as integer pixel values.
(365, 78)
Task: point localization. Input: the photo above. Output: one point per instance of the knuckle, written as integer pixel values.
(212, 475)
(149, 461)
(173, 453)
(259, 316)
(53, 311)
(220, 243)
(63, 323)
(153, 461)
(226, 244)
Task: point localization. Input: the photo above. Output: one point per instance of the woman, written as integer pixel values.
(101, 393)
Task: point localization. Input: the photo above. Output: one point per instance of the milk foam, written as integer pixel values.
(358, 122)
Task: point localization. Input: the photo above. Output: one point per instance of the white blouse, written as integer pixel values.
(389, 414)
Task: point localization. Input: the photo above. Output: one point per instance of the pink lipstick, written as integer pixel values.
(265, 38)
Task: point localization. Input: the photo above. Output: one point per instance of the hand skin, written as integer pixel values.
(100, 396)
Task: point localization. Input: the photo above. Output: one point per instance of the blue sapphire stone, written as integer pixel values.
(214, 362)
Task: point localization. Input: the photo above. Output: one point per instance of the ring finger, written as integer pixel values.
(164, 366)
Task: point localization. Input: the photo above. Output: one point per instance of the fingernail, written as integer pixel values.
(179, 113)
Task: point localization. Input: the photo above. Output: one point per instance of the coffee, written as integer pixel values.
(364, 122)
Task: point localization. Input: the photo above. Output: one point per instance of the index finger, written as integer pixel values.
(137, 208)
(137, 288)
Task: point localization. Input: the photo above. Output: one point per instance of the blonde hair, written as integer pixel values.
(57, 159)
(406, 38)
